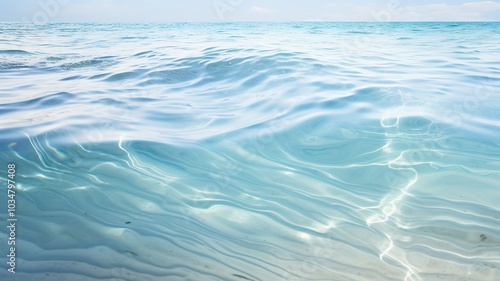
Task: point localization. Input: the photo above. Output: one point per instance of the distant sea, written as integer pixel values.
(251, 151)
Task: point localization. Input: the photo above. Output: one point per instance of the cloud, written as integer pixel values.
(472, 11)
(352, 12)
(279, 10)
(483, 6)
(314, 20)
(262, 11)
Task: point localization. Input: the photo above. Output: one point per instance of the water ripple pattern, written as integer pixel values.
(245, 151)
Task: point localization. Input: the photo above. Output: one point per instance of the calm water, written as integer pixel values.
(293, 151)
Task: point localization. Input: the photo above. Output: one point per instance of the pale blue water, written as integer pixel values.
(291, 151)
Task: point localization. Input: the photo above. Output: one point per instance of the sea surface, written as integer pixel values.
(252, 151)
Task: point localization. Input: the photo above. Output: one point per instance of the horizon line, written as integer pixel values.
(243, 21)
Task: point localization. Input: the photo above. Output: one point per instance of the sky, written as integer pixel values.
(45, 11)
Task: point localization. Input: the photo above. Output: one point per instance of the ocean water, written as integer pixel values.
(252, 151)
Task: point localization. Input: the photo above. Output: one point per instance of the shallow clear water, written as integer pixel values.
(291, 151)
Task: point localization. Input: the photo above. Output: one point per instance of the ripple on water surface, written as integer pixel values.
(253, 152)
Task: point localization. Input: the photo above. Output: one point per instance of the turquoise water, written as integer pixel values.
(290, 151)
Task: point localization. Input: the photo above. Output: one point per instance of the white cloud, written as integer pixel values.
(484, 6)
(351, 12)
(262, 11)
(472, 11)
(283, 10)
(314, 19)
